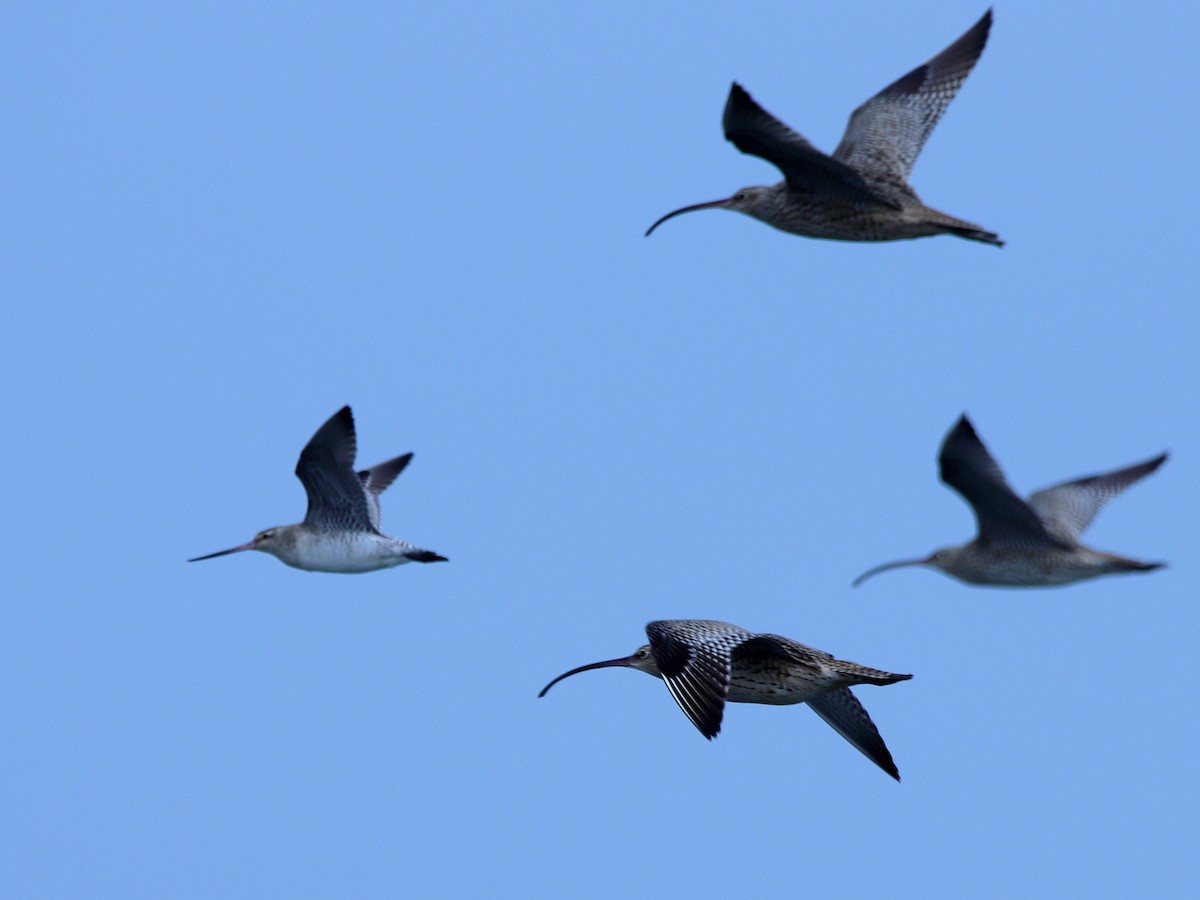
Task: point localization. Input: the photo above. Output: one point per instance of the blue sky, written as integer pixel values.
(225, 221)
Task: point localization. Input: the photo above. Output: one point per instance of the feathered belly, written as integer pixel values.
(771, 687)
(1025, 569)
(346, 555)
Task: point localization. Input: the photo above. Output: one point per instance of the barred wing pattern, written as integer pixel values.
(378, 479)
(1067, 509)
(337, 500)
(885, 135)
(693, 656)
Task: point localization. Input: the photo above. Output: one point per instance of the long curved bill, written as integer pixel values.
(238, 549)
(624, 661)
(891, 565)
(714, 204)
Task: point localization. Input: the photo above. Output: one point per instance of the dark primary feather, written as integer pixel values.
(885, 135)
(378, 479)
(845, 715)
(1003, 517)
(337, 500)
(693, 657)
(754, 130)
(337, 436)
(1067, 509)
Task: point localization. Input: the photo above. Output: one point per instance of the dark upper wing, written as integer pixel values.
(337, 500)
(693, 657)
(1004, 518)
(1067, 509)
(754, 130)
(848, 718)
(885, 135)
(378, 479)
(764, 648)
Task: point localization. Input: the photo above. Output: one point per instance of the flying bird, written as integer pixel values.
(861, 192)
(706, 663)
(1024, 543)
(341, 530)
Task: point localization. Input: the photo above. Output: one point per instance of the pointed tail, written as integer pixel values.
(960, 228)
(1132, 565)
(972, 233)
(425, 556)
(863, 675)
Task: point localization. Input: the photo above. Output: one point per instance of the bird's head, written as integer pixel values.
(760, 202)
(641, 659)
(267, 540)
(939, 559)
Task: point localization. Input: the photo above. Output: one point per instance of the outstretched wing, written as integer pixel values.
(754, 130)
(1067, 509)
(842, 711)
(1004, 518)
(337, 500)
(885, 135)
(378, 479)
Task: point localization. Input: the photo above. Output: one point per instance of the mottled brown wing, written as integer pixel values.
(885, 135)
(378, 479)
(1067, 509)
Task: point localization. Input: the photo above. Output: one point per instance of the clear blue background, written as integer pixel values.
(223, 221)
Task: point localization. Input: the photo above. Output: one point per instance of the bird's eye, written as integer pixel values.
(266, 535)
